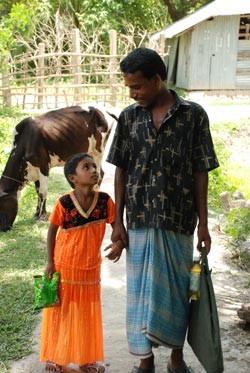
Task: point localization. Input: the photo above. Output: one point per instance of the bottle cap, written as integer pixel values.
(197, 258)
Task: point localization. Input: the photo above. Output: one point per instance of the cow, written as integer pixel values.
(46, 141)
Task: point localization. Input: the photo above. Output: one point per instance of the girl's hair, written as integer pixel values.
(145, 60)
(71, 164)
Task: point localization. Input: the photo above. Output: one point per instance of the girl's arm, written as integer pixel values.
(51, 239)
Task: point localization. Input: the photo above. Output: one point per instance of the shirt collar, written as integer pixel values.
(179, 101)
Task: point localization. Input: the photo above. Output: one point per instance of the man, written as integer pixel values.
(162, 151)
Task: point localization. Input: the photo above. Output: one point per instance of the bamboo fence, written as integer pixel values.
(46, 81)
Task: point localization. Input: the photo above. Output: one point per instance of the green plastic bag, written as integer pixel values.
(46, 290)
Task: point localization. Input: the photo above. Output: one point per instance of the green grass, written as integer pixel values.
(22, 255)
(232, 174)
(23, 249)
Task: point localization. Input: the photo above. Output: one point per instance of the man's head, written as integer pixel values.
(144, 73)
(145, 60)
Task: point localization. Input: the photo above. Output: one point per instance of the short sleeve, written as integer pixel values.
(58, 214)
(118, 153)
(204, 156)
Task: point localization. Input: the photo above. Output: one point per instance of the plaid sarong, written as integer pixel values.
(158, 265)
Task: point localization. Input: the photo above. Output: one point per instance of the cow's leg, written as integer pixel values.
(42, 190)
(41, 204)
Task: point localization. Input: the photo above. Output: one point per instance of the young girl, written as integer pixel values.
(72, 331)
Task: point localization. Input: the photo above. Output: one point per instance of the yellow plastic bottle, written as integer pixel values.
(194, 287)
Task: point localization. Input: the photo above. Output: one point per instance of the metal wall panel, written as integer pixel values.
(183, 68)
(243, 65)
(212, 55)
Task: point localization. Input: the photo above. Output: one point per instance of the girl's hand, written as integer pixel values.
(50, 270)
(115, 252)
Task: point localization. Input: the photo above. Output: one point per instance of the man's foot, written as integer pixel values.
(146, 366)
(92, 368)
(53, 367)
(139, 370)
(181, 369)
(176, 362)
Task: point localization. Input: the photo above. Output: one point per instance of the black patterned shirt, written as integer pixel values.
(160, 164)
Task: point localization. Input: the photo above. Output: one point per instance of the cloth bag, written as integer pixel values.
(204, 329)
(46, 290)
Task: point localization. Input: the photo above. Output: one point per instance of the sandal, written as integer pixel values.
(183, 369)
(93, 367)
(139, 370)
(55, 367)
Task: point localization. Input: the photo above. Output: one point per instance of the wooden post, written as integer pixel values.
(76, 66)
(113, 65)
(40, 74)
(162, 46)
(6, 84)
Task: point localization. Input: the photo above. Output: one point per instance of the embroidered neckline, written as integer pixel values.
(84, 213)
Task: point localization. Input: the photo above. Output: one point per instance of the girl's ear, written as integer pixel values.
(71, 178)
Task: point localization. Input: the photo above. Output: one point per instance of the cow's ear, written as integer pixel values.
(98, 117)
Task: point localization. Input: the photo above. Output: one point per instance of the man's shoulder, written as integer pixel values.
(130, 108)
(191, 104)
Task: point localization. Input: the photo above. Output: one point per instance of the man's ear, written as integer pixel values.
(157, 78)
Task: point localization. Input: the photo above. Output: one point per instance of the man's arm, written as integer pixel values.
(119, 231)
(201, 190)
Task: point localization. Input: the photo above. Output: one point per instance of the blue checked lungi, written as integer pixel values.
(158, 265)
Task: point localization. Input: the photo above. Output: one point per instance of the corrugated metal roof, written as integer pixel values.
(216, 8)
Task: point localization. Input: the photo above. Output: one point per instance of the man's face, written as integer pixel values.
(141, 89)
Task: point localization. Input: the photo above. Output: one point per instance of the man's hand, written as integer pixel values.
(203, 237)
(116, 250)
(119, 233)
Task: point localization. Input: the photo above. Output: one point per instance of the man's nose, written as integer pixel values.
(132, 93)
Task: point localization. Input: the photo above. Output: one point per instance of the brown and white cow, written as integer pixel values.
(46, 141)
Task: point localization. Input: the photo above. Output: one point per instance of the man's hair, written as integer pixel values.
(71, 164)
(145, 60)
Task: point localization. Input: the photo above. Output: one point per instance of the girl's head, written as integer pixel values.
(81, 166)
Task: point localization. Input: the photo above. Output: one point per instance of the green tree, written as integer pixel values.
(143, 14)
(178, 9)
(19, 18)
(24, 23)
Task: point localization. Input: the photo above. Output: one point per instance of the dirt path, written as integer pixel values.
(231, 290)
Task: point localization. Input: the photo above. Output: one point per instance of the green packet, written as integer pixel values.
(46, 290)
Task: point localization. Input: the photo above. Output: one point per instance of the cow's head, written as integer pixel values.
(8, 210)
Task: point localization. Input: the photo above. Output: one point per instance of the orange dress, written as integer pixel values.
(72, 331)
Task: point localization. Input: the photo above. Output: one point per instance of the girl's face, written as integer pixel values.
(86, 173)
